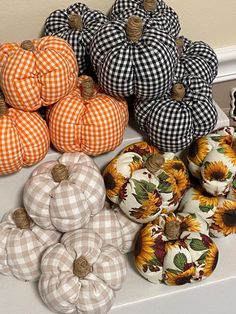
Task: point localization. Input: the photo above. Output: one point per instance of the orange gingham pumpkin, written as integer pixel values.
(87, 120)
(24, 139)
(37, 73)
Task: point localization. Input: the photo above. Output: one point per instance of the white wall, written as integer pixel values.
(209, 20)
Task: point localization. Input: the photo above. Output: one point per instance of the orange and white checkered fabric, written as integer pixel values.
(24, 140)
(31, 79)
(93, 126)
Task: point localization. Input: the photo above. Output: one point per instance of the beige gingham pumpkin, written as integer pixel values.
(81, 274)
(115, 228)
(22, 244)
(63, 194)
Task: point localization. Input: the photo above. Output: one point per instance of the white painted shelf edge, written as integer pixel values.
(137, 295)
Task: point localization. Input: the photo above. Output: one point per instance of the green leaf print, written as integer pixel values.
(180, 260)
(221, 150)
(206, 208)
(173, 271)
(136, 159)
(163, 176)
(165, 187)
(202, 258)
(142, 188)
(234, 184)
(229, 175)
(216, 138)
(197, 245)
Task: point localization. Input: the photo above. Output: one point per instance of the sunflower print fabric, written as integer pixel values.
(218, 211)
(140, 191)
(190, 255)
(212, 159)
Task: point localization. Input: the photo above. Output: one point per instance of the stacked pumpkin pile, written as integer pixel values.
(67, 236)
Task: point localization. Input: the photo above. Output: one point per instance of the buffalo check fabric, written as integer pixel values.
(163, 17)
(63, 291)
(196, 59)
(69, 204)
(115, 228)
(31, 79)
(172, 125)
(57, 24)
(24, 140)
(124, 68)
(93, 126)
(21, 249)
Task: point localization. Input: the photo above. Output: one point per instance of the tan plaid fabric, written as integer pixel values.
(93, 126)
(21, 249)
(115, 228)
(64, 292)
(24, 140)
(31, 79)
(69, 204)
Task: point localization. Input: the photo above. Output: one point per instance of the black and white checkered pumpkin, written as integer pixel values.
(126, 66)
(163, 16)
(77, 24)
(185, 113)
(196, 59)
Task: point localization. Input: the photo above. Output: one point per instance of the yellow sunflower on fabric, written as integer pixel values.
(191, 224)
(215, 170)
(211, 260)
(113, 179)
(225, 218)
(179, 278)
(230, 153)
(142, 148)
(149, 207)
(198, 150)
(204, 198)
(179, 182)
(144, 248)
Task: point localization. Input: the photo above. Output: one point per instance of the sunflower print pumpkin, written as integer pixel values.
(175, 249)
(212, 159)
(218, 211)
(145, 183)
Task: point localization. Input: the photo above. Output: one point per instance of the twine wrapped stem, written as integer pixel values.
(150, 5)
(81, 267)
(87, 88)
(27, 45)
(178, 92)
(134, 28)
(75, 22)
(21, 218)
(60, 173)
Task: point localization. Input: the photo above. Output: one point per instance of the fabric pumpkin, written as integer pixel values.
(155, 11)
(115, 228)
(77, 25)
(24, 139)
(175, 250)
(64, 194)
(184, 113)
(218, 211)
(196, 59)
(22, 245)
(81, 274)
(145, 184)
(131, 57)
(87, 120)
(37, 73)
(212, 159)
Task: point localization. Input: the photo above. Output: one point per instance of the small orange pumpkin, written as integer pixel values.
(24, 139)
(37, 73)
(87, 120)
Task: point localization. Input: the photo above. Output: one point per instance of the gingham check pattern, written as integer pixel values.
(93, 126)
(144, 69)
(62, 291)
(115, 228)
(24, 140)
(164, 17)
(30, 80)
(21, 249)
(172, 125)
(197, 59)
(67, 205)
(57, 24)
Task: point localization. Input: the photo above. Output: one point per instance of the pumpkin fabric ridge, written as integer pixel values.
(81, 268)
(143, 67)
(22, 245)
(77, 25)
(24, 139)
(156, 12)
(184, 113)
(63, 194)
(93, 123)
(37, 73)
